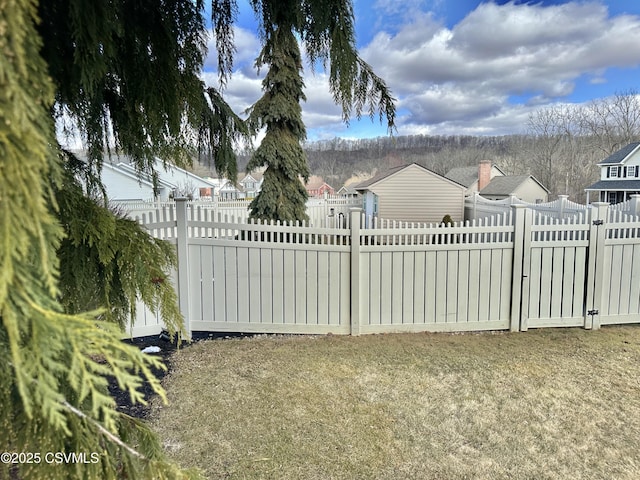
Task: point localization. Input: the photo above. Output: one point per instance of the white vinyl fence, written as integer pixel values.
(329, 211)
(515, 271)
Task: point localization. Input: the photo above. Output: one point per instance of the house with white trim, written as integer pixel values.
(619, 176)
(122, 181)
(249, 184)
(122, 184)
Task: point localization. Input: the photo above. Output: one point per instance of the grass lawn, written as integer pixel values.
(546, 404)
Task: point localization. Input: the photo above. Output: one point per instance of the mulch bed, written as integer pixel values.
(167, 348)
(123, 401)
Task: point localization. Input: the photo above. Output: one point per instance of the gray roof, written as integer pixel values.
(507, 185)
(466, 175)
(350, 189)
(620, 155)
(463, 175)
(618, 185)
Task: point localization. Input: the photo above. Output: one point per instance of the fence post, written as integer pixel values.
(562, 207)
(356, 214)
(475, 205)
(598, 224)
(634, 207)
(183, 262)
(519, 214)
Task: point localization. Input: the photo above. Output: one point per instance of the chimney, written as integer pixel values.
(484, 174)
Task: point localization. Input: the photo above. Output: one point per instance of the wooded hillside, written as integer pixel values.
(560, 147)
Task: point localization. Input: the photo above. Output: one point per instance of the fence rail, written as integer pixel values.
(330, 211)
(514, 271)
(477, 207)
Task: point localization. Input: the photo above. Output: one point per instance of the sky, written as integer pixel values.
(464, 67)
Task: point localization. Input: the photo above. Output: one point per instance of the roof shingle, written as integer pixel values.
(620, 155)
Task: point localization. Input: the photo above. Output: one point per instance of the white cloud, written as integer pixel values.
(466, 75)
(462, 79)
(247, 49)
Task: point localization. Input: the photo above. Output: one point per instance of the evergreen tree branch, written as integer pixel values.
(113, 438)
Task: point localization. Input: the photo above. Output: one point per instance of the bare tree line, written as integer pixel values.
(569, 140)
(561, 146)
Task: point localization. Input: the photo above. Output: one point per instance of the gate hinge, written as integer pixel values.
(597, 223)
(593, 312)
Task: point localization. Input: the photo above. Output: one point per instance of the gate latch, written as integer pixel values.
(597, 223)
(593, 312)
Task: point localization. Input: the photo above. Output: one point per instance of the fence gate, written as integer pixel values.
(563, 269)
(617, 282)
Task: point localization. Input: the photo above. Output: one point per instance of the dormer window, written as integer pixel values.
(612, 172)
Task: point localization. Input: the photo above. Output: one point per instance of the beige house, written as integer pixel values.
(412, 193)
(524, 187)
(470, 176)
(493, 184)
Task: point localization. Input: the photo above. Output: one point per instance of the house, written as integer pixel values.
(348, 191)
(317, 187)
(123, 182)
(470, 176)
(412, 193)
(124, 185)
(619, 176)
(524, 187)
(250, 184)
(229, 191)
(491, 182)
(212, 192)
(186, 184)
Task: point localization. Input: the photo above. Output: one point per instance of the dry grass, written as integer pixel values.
(549, 404)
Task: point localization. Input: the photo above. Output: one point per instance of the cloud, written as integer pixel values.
(247, 49)
(467, 74)
(463, 78)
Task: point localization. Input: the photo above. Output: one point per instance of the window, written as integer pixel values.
(631, 171)
(612, 172)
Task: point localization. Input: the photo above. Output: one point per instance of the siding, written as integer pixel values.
(530, 192)
(121, 186)
(417, 195)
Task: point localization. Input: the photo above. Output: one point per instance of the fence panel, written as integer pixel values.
(434, 277)
(269, 278)
(146, 322)
(330, 212)
(477, 207)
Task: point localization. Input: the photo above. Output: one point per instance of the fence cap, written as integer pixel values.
(355, 209)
